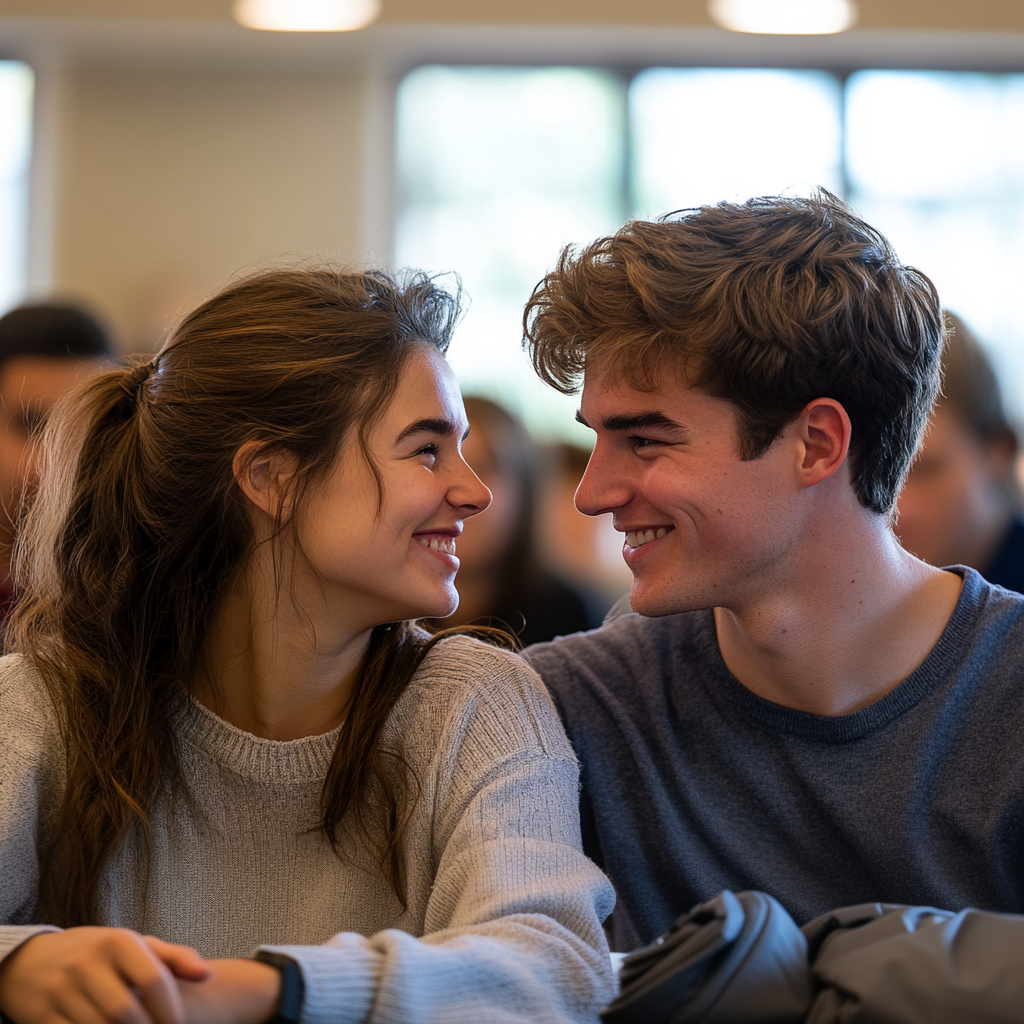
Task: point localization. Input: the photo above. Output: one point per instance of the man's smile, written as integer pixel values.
(637, 538)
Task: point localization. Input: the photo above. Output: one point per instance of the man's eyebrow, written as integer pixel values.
(640, 421)
(634, 421)
(427, 426)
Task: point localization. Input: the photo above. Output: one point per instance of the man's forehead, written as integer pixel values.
(607, 389)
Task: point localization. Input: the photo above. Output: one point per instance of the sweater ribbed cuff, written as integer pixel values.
(340, 978)
(13, 935)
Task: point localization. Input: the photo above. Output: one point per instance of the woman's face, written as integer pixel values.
(402, 564)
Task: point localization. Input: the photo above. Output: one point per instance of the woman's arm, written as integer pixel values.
(513, 931)
(513, 922)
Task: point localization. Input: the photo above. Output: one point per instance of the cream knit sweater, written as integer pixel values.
(504, 911)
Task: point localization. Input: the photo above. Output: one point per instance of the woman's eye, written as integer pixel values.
(428, 449)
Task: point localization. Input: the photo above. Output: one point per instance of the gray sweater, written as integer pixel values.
(693, 784)
(504, 911)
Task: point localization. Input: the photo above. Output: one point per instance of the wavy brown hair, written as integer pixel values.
(139, 528)
(768, 304)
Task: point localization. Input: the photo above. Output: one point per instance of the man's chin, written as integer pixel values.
(655, 600)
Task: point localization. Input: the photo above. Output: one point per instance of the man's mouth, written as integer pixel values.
(445, 544)
(638, 538)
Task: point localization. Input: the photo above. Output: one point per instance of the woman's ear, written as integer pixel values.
(264, 475)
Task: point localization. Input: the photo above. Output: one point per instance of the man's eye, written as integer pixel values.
(644, 442)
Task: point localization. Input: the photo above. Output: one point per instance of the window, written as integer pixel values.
(500, 167)
(15, 150)
(936, 162)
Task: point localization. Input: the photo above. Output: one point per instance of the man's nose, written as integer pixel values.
(602, 488)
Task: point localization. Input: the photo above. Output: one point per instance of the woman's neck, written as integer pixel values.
(277, 663)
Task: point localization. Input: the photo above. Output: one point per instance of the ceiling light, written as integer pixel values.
(306, 15)
(784, 17)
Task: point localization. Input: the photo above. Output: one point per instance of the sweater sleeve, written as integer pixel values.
(28, 786)
(513, 925)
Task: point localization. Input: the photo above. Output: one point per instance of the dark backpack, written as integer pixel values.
(740, 959)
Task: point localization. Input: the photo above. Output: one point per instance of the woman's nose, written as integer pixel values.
(469, 493)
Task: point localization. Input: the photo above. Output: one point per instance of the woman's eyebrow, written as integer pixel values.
(427, 426)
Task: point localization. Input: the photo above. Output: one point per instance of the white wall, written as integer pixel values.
(167, 182)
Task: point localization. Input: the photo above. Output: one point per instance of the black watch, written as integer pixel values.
(293, 988)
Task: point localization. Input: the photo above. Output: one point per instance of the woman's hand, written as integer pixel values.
(97, 976)
(236, 992)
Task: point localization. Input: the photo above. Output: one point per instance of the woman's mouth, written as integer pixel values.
(445, 544)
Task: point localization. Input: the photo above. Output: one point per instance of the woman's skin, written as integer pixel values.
(280, 665)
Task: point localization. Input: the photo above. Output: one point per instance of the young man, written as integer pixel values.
(44, 349)
(800, 706)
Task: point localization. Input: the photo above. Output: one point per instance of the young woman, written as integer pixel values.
(222, 733)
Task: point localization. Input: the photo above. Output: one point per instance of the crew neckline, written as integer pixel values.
(948, 651)
(253, 757)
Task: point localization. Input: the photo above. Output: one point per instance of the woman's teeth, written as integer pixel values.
(637, 538)
(445, 544)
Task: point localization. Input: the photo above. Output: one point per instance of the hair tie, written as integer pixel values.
(139, 375)
(135, 380)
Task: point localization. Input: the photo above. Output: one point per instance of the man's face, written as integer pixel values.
(29, 387)
(703, 527)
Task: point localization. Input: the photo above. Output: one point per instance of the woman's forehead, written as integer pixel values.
(427, 389)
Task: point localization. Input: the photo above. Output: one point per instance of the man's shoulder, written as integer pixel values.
(631, 652)
(987, 614)
(987, 627)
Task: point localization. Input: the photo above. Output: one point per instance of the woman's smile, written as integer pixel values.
(442, 543)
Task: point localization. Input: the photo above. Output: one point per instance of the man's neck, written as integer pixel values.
(851, 623)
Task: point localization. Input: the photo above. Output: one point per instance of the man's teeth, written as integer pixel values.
(637, 538)
(445, 544)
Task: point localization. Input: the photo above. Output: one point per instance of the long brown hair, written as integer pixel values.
(139, 529)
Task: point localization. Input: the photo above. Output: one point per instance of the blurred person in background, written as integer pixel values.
(503, 578)
(961, 502)
(44, 349)
(583, 549)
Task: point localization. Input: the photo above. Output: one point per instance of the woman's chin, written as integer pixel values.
(444, 605)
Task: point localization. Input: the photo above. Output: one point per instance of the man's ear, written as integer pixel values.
(263, 475)
(825, 432)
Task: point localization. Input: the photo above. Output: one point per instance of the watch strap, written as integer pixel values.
(293, 988)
